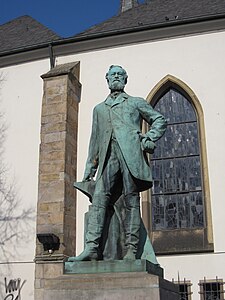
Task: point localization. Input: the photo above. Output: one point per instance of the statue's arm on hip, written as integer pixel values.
(157, 125)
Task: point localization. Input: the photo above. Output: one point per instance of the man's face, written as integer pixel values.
(116, 79)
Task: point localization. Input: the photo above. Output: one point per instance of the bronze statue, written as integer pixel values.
(118, 151)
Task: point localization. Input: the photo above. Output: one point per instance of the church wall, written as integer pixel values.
(193, 267)
(196, 60)
(17, 279)
(21, 97)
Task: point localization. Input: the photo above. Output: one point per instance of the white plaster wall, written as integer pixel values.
(196, 60)
(194, 268)
(22, 271)
(21, 97)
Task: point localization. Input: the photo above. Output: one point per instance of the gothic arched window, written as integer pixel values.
(180, 206)
(177, 194)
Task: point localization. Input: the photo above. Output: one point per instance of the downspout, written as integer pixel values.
(51, 56)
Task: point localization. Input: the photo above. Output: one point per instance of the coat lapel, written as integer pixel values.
(112, 102)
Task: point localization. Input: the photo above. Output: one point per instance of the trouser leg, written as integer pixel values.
(132, 224)
(132, 207)
(100, 201)
(96, 220)
(105, 187)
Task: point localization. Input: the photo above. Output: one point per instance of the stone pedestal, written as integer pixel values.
(110, 286)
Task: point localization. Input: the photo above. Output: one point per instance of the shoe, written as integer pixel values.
(130, 255)
(87, 255)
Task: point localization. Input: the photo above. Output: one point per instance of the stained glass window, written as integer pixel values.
(177, 194)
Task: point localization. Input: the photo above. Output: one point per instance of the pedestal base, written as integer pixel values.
(112, 266)
(124, 281)
(119, 286)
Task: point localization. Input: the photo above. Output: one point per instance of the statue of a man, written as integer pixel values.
(118, 151)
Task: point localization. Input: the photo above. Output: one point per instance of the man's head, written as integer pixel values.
(116, 78)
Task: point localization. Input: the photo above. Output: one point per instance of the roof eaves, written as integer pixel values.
(109, 33)
(126, 30)
(27, 48)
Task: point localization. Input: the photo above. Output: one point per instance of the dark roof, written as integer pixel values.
(160, 12)
(24, 32)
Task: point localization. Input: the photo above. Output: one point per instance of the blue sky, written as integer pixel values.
(65, 17)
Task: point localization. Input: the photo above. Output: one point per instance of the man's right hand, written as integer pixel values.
(86, 178)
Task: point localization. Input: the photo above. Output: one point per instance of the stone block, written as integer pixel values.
(39, 271)
(54, 193)
(70, 170)
(52, 109)
(55, 82)
(50, 207)
(53, 270)
(120, 286)
(51, 146)
(71, 137)
(49, 178)
(56, 155)
(53, 137)
(39, 248)
(39, 294)
(53, 127)
(56, 88)
(53, 119)
(129, 294)
(70, 206)
(39, 283)
(50, 218)
(57, 229)
(51, 188)
(73, 111)
(52, 168)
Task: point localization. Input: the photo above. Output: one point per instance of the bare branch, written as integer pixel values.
(16, 223)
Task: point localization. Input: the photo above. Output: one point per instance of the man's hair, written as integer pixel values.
(124, 72)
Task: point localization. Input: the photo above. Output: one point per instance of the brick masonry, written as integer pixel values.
(56, 211)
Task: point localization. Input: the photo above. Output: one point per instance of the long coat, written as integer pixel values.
(123, 117)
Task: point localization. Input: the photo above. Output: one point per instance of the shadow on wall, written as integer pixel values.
(16, 222)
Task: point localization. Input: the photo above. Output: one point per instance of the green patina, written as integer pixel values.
(118, 151)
